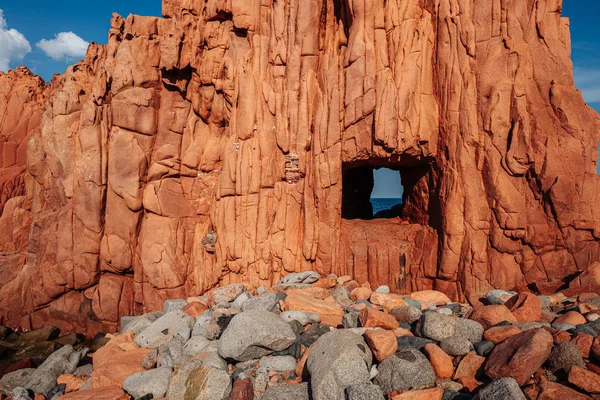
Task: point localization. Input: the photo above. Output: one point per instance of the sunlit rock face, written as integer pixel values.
(245, 117)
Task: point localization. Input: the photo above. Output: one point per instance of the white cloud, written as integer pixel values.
(588, 80)
(13, 45)
(64, 46)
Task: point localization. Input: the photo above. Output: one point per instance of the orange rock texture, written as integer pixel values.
(260, 121)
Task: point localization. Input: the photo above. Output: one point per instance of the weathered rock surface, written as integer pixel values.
(234, 142)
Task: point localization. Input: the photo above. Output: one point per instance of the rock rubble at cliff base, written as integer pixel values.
(320, 338)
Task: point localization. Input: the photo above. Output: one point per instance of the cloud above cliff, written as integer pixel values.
(13, 45)
(65, 46)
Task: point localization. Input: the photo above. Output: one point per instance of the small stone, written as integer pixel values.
(440, 361)
(526, 307)
(585, 380)
(383, 343)
(243, 390)
(563, 326)
(584, 343)
(207, 384)
(266, 302)
(194, 309)
(456, 346)
(501, 389)
(372, 318)
(570, 317)
(564, 356)
(350, 320)
(278, 363)
(430, 296)
(299, 277)
(328, 309)
(201, 325)
(254, 334)
(498, 297)
(427, 394)
(154, 382)
(407, 314)
(552, 391)
(62, 361)
(138, 324)
(520, 356)
(498, 334)
(468, 329)
(364, 391)
(304, 318)
(489, 316)
(407, 370)
(445, 311)
(484, 348)
(437, 326)
(287, 392)
(360, 293)
(227, 294)
(383, 289)
(241, 300)
(470, 365)
(162, 330)
(412, 342)
(387, 301)
(337, 360)
(174, 305)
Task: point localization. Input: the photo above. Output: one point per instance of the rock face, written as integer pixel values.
(234, 141)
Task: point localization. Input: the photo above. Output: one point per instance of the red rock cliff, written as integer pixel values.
(261, 120)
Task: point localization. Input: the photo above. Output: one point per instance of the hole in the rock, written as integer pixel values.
(371, 192)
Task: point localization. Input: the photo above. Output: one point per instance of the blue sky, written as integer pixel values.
(47, 36)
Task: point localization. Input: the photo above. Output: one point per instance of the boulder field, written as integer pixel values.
(320, 338)
(234, 141)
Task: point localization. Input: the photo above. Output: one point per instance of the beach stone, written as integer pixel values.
(491, 315)
(555, 391)
(207, 384)
(406, 370)
(174, 305)
(254, 334)
(219, 321)
(304, 318)
(440, 361)
(278, 363)
(501, 389)
(407, 314)
(584, 342)
(201, 325)
(412, 342)
(498, 334)
(287, 392)
(350, 320)
(519, 356)
(469, 329)
(360, 293)
(299, 277)
(425, 394)
(430, 296)
(585, 380)
(161, 331)
(383, 343)
(62, 361)
(570, 317)
(456, 346)
(372, 318)
(563, 326)
(198, 344)
(563, 356)
(499, 297)
(383, 289)
(337, 360)
(469, 366)
(15, 379)
(364, 391)
(138, 324)
(154, 382)
(526, 307)
(241, 300)
(195, 309)
(266, 302)
(437, 326)
(387, 301)
(227, 294)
